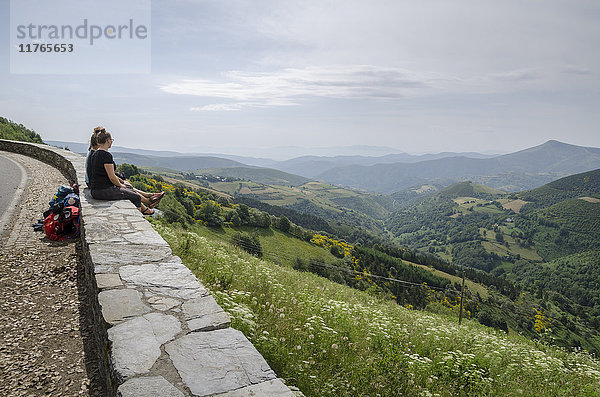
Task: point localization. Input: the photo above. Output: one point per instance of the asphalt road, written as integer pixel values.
(13, 179)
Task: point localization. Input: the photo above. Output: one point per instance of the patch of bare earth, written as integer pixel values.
(515, 205)
(590, 199)
(46, 342)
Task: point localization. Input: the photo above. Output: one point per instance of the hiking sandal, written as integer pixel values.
(155, 199)
(148, 211)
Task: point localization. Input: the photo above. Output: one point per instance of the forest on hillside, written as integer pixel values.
(17, 132)
(549, 246)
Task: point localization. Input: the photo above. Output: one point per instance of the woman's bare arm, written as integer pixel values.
(110, 171)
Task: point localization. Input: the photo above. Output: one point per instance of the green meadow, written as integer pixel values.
(330, 340)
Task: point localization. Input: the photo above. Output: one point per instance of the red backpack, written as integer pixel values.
(62, 225)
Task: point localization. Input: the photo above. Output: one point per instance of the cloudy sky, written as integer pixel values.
(417, 76)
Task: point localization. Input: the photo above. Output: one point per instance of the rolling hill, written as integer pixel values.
(522, 170)
(488, 228)
(469, 188)
(546, 240)
(255, 174)
(573, 186)
(339, 206)
(526, 169)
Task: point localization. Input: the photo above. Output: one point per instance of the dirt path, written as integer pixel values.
(46, 345)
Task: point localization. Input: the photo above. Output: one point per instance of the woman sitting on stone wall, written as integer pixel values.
(149, 199)
(104, 183)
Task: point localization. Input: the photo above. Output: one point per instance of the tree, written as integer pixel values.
(249, 243)
(17, 132)
(224, 201)
(499, 237)
(128, 170)
(244, 213)
(489, 318)
(283, 224)
(337, 251)
(234, 218)
(300, 264)
(210, 213)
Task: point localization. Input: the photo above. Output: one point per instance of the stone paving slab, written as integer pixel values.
(119, 231)
(150, 386)
(119, 305)
(106, 281)
(136, 343)
(204, 314)
(163, 303)
(218, 361)
(271, 388)
(172, 279)
(135, 254)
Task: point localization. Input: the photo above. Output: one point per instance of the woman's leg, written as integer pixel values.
(149, 199)
(144, 199)
(142, 193)
(117, 193)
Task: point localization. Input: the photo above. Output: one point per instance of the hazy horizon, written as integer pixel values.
(283, 153)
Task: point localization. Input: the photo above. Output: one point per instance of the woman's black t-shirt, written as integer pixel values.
(98, 176)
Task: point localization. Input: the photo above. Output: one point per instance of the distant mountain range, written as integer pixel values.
(313, 166)
(307, 166)
(517, 171)
(522, 170)
(179, 163)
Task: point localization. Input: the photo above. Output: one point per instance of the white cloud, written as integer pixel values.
(572, 69)
(517, 76)
(288, 86)
(277, 54)
(218, 107)
(294, 86)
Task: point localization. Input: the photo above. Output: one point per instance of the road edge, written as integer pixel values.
(7, 217)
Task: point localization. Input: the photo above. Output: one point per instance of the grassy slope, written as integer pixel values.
(334, 341)
(491, 245)
(472, 286)
(277, 246)
(283, 249)
(466, 204)
(261, 175)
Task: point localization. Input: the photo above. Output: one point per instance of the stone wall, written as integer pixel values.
(160, 331)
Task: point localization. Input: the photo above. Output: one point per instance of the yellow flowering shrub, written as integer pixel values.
(328, 242)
